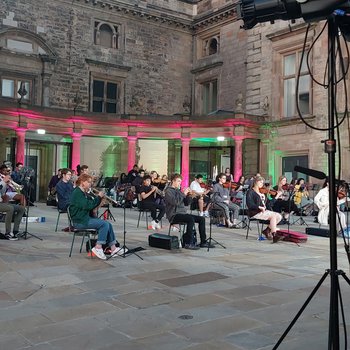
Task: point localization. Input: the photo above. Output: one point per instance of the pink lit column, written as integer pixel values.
(238, 166)
(131, 151)
(76, 150)
(185, 161)
(21, 134)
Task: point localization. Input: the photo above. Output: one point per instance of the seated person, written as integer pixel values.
(175, 207)
(283, 203)
(138, 181)
(13, 212)
(12, 193)
(148, 201)
(301, 195)
(322, 202)
(238, 191)
(64, 189)
(53, 182)
(221, 200)
(200, 195)
(80, 207)
(256, 203)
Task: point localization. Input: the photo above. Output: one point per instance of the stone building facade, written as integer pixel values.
(115, 83)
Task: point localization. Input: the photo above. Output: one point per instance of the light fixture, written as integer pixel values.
(221, 138)
(41, 131)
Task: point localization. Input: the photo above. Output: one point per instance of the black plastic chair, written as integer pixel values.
(78, 231)
(260, 225)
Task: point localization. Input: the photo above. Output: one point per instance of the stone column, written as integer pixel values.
(21, 134)
(131, 151)
(185, 161)
(238, 160)
(76, 137)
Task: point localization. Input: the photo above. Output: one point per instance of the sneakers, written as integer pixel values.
(206, 245)
(11, 237)
(158, 227)
(201, 214)
(206, 214)
(191, 247)
(99, 253)
(153, 225)
(175, 228)
(118, 251)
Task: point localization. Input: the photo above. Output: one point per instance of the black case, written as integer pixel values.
(159, 240)
(314, 231)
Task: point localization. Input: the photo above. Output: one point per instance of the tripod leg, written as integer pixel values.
(295, 319)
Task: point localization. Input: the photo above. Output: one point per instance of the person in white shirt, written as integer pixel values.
(200, 194)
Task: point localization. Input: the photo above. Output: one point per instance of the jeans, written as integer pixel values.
(13, 211)
(153, 208)
(190, 220)
(104, 228)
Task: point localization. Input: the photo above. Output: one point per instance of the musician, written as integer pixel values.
(16, 173)
(221, 200)
(11, 193)
(283, 202)
(13, 212)
(84, 169)
(64, 189)
(238, 192)
(200, 195)
(138, 181)
(175, 207)
(132, 174)
(148, 201)
(301, 194)
(80, 207)
(54, 181)
(229, 176)
(322, 201)
(256, 203)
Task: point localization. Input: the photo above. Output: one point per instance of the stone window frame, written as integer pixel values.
(18, 78)
(116, 34)
(286, 42)
(203, 43)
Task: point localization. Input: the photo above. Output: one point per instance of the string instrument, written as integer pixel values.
(287, 187)
(206, 186)
(231, 185)
(158, 191)
(266, 190)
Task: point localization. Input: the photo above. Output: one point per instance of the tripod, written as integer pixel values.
(300, 218)
(107, 214)
(243, 220)
(25, 233)
(330, 149)
(124, 247)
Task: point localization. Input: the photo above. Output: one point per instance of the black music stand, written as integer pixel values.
(243, 220)
(25, 233)
(130, 251)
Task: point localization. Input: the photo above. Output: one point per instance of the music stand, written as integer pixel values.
(243, 220)
(130, 251)
(25, 233)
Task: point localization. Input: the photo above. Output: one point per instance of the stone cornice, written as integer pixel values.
(151, 14)
(107, 64)
(225, 13)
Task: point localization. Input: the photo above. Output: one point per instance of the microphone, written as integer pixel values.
(313, 173)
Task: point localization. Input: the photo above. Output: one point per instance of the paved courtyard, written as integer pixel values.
(239, 298)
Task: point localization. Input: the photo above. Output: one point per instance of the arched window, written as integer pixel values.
(213, 46)
(106, 35)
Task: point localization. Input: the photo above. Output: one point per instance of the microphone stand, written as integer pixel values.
(330, 148)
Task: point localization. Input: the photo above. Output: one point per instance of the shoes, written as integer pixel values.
(206, 245)
(206, 214)
(99, 253)
(175, 228)
(201, 214)
(11, 237)
(153, 224)
(191, 247)
(118, 251)
(158, 227)
(277, 236)
(267, 233)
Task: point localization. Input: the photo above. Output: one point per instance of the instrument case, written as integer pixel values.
(315, 231)
(159, 240)
(293, 236)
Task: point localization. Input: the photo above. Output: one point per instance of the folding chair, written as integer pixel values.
(260, 224)
(76, 231)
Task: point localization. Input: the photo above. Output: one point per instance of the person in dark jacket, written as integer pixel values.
(64, 189)
(176, 212)
(256, 203)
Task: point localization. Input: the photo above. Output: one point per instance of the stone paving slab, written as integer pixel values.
(239, 298)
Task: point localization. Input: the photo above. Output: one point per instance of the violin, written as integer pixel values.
(232, 185)
(287, 187)
(266, 190)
